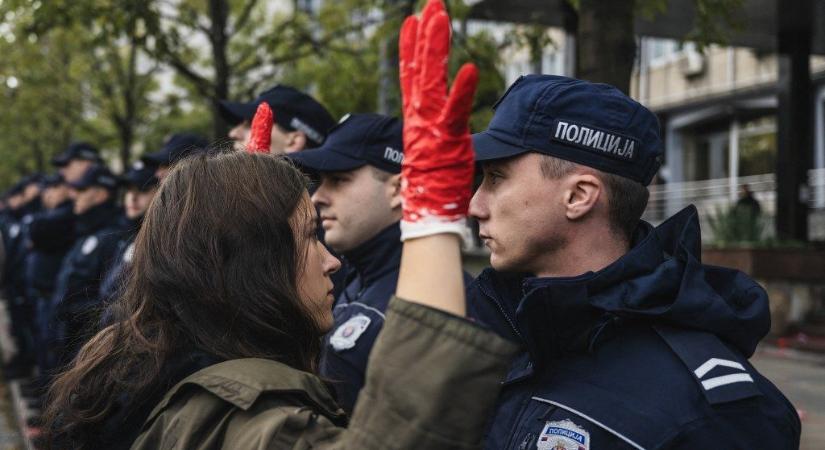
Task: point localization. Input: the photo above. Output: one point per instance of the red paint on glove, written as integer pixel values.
(438, 165)
(260, 132)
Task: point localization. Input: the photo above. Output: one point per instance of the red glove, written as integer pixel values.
(260, 132)
(437, 172)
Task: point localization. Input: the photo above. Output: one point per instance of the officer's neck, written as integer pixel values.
(586, 250)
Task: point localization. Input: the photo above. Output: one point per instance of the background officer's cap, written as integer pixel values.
(97, 175)
(140, 176)
(177, 146)
(77, 150)
(51, 180)
(595, 125)
(357, 140)
(292, 109)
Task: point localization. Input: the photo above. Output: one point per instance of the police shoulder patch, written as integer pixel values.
(14, 230)
(348, 333)
(563, 435)
(89, 245)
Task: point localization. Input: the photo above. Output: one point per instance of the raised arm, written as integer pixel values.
(437, 171)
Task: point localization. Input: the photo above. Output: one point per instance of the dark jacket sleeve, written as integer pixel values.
(431, 381)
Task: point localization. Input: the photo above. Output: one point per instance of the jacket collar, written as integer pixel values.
(378, 256)
(661, 279)
(241, 381)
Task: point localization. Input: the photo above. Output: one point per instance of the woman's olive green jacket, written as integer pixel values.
(431, 381)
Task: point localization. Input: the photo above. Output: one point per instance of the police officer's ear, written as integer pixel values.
(582, 193)
(394, 190)
(295, 141)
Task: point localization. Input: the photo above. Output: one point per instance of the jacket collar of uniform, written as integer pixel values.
(661, 279)
(378, 256)
(241, 381)
(95, 218)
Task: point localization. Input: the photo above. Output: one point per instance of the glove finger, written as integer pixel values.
(406, 59)
(433, 73)
(433, 8)
(260, 131)
(460, 103)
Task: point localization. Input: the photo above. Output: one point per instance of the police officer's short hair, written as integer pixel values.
(626, 198)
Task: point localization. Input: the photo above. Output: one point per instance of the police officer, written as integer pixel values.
(176, 146)
(24, 204)
(630, 342)
(359, 205)
(75, 300)
(75, 160)
(301, 122)
(50, 235)
(141, 186)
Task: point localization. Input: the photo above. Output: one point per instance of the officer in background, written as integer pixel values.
(75, 302)
(359, 205)
(630, 342)
(141, 186)
(50, 235)
(24, 204)
(176, 146)
(301, 122)
(75, 160)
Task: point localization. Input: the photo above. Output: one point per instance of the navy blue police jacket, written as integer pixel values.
(75, 301)
(15, 240)
(50, 235)
(116, 275)
(359, 313)
(648, 353)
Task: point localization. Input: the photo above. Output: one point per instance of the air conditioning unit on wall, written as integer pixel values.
(692, 63)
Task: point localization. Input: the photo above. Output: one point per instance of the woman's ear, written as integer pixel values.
(582, 195)
(394, 191)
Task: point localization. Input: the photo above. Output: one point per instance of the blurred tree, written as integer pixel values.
(606, 40)
(115, 76)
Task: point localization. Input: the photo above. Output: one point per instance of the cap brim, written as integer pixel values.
(236, 112)
(488, 148)
(326, 160)
(159, 158)
(60, 160)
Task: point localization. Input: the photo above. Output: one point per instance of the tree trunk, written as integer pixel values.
(219, 15)
(606, 44)
(389, 94)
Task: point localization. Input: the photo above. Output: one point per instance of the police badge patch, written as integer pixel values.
(563, 435)
(89, 245)
(347, 334)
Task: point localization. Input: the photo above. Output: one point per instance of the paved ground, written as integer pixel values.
(801, 377)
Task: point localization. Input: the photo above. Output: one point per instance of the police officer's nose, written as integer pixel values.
(478, 207)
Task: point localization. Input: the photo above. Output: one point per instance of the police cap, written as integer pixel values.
(177, 146)
(77, 150)
(358, 140)
(592, 124)
(96, 175)
(292, 109)
(140, 176)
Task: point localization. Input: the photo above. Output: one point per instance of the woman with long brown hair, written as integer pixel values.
(222, 316)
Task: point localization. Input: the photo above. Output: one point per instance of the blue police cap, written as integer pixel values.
(77, 150)
(595, 125)
(358, 140)
(177, 146)
(96, 175)
(140, 176)
(293, 110)
(52, 180)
